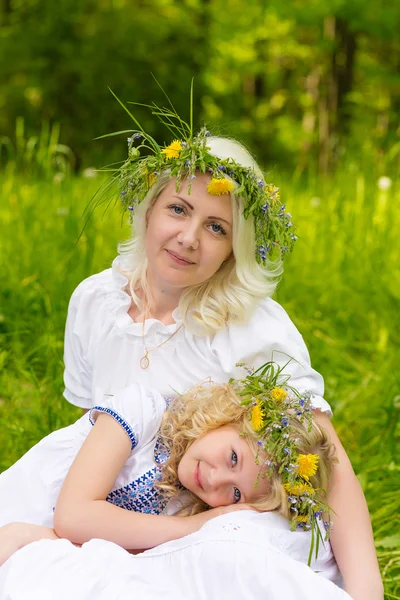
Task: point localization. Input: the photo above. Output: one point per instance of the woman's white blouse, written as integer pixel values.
(103, 346)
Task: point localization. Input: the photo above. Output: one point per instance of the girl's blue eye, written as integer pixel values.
(237, 495)
(234, 458)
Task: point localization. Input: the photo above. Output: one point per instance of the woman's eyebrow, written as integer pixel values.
(210, 217)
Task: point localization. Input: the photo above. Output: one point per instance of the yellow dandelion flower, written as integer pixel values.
(302, 519)
(298, 489)
(150, 179)
(257, 419)
(218, 187)
(173, 150)
(308, 465)
(278, 394)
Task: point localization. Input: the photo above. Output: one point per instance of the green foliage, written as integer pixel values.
(301, 81)
(341, 288)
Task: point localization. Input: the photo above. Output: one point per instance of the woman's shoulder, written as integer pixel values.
(104, 289)
(268, 323)
(269, 335)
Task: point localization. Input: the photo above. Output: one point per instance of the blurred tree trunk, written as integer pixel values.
(343, 69)
(337, 82)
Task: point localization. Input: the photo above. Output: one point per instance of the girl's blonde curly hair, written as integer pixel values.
(206, 408)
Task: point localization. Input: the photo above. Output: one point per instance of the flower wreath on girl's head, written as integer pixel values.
(274, 408)
(188, 154)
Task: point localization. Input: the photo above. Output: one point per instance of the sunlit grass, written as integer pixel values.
(341, 288)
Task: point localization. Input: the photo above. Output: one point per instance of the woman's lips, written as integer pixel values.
(180, 259)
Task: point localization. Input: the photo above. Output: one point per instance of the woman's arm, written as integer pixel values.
(17, 535)
(352, 538)
(82, 512)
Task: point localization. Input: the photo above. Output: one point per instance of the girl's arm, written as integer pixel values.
(352, 538)
(82, 512)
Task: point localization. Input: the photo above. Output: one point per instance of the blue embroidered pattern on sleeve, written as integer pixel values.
(141, 495)
(119, 419)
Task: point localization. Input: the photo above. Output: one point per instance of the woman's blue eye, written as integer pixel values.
(237, 495)
(234, 458)
(217, 228)
(178, 210)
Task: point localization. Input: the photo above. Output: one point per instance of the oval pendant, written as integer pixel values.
(144, 362)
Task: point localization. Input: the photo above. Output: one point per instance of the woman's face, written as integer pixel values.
(220, 468)
(188, 236)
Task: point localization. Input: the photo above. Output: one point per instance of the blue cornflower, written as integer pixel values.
(285, 421)
(188, 162)
(221, 168)
(286, 450)
(301, 401)
(265, 208)
(207, 133)
(137, 136)
(130, 207)
(259, 442)
(292, 499)
(317, 514)
(260, 183)
(123, 194)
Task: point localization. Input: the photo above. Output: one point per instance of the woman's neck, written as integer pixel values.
(160, 305)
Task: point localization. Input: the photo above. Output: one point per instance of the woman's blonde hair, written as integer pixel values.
(205, 408)
(232, 293)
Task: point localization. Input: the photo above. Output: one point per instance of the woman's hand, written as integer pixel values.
(17, 535)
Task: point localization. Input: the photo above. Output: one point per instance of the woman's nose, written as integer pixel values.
(189, 236)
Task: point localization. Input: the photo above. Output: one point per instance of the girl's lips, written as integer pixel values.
(179, 259)
(197, 476)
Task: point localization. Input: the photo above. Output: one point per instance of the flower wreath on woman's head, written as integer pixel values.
(189, 154)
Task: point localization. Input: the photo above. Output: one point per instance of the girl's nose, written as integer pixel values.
(218, 478)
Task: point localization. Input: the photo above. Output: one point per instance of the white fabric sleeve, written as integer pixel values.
(137, 409)
(271, 336)
(77, 373)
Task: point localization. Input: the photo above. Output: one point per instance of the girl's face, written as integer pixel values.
(220, 469)
(188, 237)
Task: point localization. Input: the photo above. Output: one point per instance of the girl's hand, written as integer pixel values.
(17, 535)
(195, 522)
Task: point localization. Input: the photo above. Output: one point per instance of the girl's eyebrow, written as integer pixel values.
(210, 217)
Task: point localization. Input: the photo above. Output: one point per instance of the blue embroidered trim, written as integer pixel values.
(167, 401)
(141, 495)
(161, 452)
(119, 419)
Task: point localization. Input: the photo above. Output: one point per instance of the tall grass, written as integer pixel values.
(341, 288)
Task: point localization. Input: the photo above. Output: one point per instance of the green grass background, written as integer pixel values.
(341, 287)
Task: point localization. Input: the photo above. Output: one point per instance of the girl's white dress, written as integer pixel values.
(29, 489)
(242, 556)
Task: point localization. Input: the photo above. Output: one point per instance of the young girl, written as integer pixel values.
(248, 444)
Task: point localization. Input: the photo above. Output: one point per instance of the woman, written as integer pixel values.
(189, 298)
